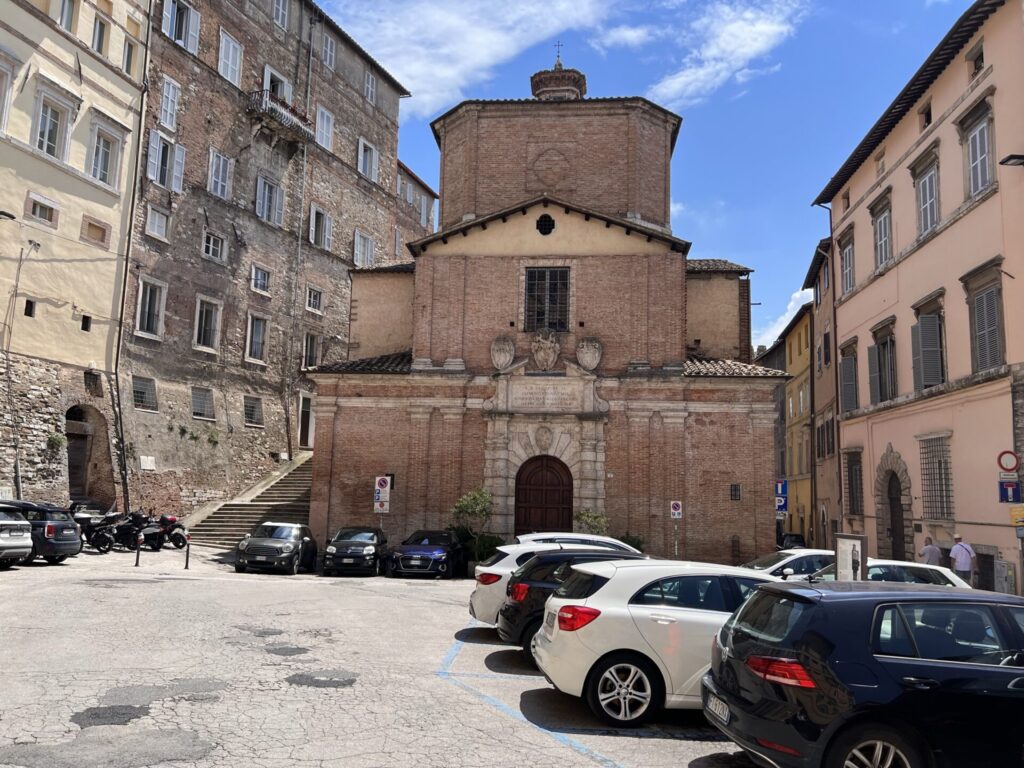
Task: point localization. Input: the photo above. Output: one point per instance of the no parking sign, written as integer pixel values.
(675, 510)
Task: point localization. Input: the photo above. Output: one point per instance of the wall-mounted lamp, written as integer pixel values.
(1012, 160)
(7, 216)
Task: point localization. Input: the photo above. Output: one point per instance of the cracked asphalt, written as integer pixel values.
(110, 666)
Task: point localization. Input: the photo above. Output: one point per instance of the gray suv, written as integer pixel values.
(15, 538)
(287, 547)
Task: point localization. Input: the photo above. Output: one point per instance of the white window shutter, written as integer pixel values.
(211, 174)
(312, 224)
(261, 197)
(328, 231)
(153, 156)
(288, 92)
(168, 21)
(179, 168)
(192, 44)
(231, 175)
(375, 172)
(279, 206)
(360, 149)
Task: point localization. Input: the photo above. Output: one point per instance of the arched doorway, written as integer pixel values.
(90, 469)
(543, 496)
(896, 533)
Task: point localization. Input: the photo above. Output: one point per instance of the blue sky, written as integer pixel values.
(774, 96)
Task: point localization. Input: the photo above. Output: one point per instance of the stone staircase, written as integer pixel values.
(285, 501)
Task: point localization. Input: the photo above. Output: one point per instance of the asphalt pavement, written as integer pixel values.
(105, 665)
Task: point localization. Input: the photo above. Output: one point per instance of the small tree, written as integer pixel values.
(589, 521)
(473, 512)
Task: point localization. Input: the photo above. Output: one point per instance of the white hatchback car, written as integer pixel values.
(802, 561)
(493, 573)
(633, 636)
(590, 539)
(901, 571)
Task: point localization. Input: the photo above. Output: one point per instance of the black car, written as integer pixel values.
(55, 534)
(864, 674)
(287, 547)
(532, 584)
(438, 553)
(356, 549)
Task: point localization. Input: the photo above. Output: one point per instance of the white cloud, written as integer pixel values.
(676, 209)
(749, 73)
(769, 333)
(624, 36)
(438, 50)
(726, 39)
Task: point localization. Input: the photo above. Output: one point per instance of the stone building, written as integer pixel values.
(774, 358)
(547, 356)
(414, 210)
(929, 251)
(796, 339)
(70, 119)
(825, 481)
(270, 173)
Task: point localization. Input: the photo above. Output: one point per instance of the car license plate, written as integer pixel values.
(347, 560)
(16, 532)
(416, 561)
(549, 620)
(718, 708)
(262, 558)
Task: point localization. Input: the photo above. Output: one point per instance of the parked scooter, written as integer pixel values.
(126, 533)
(97, 530)
(174, 532)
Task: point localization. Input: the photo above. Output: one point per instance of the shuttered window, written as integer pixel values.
(927, 351)
(848, 383)
(882, 370)
(849, 280)
(986, 336)
(269, 202)
(979, 156)
(181, 23)
(882, 226)
(928, 199)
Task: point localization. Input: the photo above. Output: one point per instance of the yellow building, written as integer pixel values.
(70, 103)
(798, 409)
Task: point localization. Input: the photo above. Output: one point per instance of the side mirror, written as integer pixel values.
(306, 539)
(787, 572)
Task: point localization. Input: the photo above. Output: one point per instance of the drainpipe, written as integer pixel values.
(118, 402)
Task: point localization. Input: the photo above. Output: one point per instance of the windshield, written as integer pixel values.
(355, 534)
(767, 561)
(276, 532)
(47, 514)
(430, 538)
(10, 514)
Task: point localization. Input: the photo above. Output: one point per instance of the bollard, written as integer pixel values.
(188, 549)
(138, 548)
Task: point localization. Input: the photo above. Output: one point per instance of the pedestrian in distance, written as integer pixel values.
(963, 560)
(930, 554)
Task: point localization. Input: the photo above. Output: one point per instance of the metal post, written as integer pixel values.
(188, 549)
(138, 549)
(675, 539)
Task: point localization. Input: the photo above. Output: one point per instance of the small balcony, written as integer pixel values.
(281, 117)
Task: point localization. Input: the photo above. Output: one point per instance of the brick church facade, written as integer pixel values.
(543, 350)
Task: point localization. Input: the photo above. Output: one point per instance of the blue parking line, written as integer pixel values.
(446, 674)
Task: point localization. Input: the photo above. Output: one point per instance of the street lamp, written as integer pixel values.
(1012, 160)
(7, 216)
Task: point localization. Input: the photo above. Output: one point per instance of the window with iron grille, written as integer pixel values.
(734, 492)
(936, 478)
(144, 393)
(202, 403)
(253, 407)
(547, 299)
(853, 480)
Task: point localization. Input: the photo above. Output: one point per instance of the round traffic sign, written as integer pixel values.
(382, 482)
(676, 506)
(1009, 461)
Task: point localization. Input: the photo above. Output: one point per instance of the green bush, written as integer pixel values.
(486, 545)
(633, 540)
(588, 521)
(473, 513)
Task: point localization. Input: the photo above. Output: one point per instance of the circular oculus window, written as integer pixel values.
(545, 225)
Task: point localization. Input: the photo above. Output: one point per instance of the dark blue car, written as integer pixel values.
(55, 534)
(438, 553)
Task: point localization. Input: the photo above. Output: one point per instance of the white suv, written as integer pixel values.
(633, 636)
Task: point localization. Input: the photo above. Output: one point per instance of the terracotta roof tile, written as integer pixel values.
(398, 363)
(402, 266)
(715, 265)
(698, 365)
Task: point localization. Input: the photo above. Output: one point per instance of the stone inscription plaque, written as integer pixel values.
(546, 396)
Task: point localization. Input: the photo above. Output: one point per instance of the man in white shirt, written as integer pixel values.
(930, 554)
(962, 559)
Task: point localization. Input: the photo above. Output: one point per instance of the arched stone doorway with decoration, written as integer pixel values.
(893, 507)
(90, 469)
(543, 496)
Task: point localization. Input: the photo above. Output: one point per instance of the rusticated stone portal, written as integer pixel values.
(893, 507)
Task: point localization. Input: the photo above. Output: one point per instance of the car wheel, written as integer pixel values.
(527, 640)
(54, 559)
(871, 744)
(326, 572)
(389, 570)
(292, 569)
(378, 569)
(5, 564)
(625, 689)
(240, 568)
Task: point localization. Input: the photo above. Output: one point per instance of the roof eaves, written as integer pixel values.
(402, 90)
(821, 251)
(409, 172)
(957, 37)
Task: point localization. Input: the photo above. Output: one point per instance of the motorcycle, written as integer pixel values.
(98, 530)
(174, 532)
(138, 524)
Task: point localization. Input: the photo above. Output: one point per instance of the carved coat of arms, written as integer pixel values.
(545, 349)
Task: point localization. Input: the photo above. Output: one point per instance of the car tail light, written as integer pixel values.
(781, 671)
(487, 578)
(778, 747)
(51, 530)
(573, 617)
(171, 519)
(518, 593)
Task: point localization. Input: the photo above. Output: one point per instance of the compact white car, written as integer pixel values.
(801, 561)
(591, 539)
(633, 636)
(901, 571)
(492, 576)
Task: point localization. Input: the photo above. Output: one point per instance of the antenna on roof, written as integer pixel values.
(558, 54)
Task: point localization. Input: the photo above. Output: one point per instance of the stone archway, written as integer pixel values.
(894, 533)
(90, 469)
(543, 496)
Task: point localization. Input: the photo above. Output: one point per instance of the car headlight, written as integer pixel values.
(368, 550)
(442, 556)
(287, 548)
(243, 544)
(331, 549)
